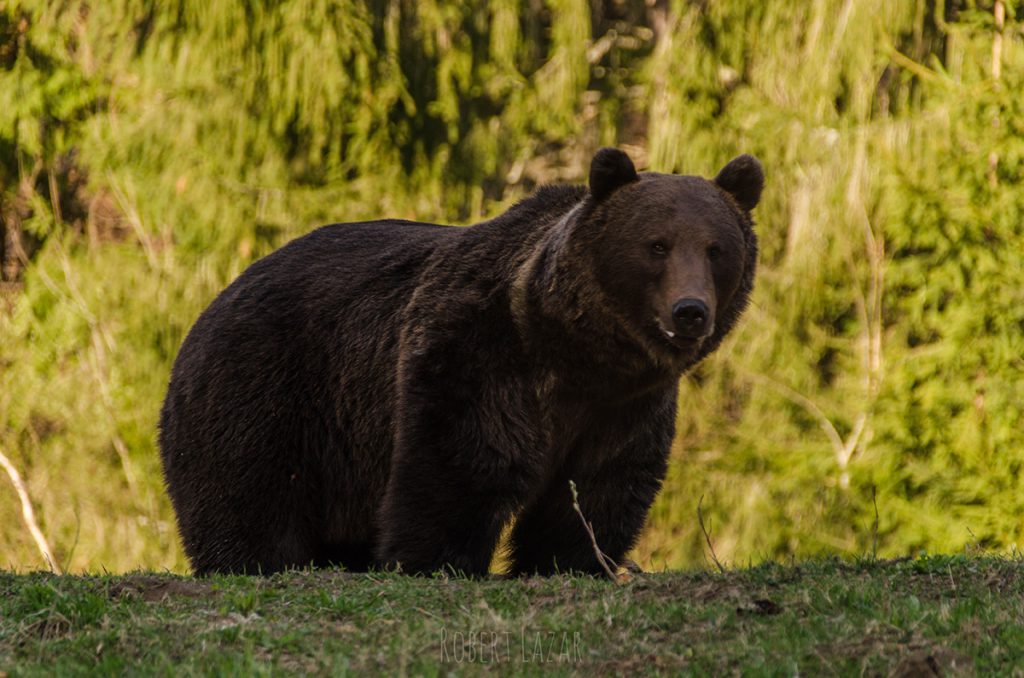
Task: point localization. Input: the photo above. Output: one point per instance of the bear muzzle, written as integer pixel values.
(691, 319)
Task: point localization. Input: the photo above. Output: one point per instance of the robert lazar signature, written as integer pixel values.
(527, 647)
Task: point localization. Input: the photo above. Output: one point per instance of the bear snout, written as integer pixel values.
(691, 318)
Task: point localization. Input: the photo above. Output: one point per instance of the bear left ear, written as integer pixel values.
(610, 169)
(743, 179)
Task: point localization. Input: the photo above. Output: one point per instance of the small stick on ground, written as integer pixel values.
(707, 537)
(607, 564)
(29, 515)
(874, 527)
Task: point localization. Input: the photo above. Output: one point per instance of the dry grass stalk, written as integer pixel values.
(607, 564)
(29, 514)
(707, 537)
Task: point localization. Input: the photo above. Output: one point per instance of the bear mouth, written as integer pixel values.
(677, 342)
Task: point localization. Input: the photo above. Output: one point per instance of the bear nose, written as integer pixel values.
(691, 318)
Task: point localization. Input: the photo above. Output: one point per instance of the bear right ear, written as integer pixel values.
(743, 179)
(610, 169)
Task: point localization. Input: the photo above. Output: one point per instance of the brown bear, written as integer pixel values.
(394, 393)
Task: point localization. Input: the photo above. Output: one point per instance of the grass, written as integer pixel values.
(955, 615)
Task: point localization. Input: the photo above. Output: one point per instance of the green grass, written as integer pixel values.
(958, 615)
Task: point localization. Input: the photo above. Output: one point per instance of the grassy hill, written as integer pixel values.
(955, 615)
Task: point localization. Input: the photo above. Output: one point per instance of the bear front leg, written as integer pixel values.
(615, 497)
(461, 467)
(428, 523)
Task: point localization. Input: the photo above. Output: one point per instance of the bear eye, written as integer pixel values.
(714, 252)
(659, 248)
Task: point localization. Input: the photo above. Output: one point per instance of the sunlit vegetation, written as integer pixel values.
(150, 151)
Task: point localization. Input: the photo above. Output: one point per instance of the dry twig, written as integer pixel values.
(874, 527)
(607, 564)
(29, 514)
(707, 537)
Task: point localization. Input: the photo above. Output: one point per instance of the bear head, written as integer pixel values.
(673, 256)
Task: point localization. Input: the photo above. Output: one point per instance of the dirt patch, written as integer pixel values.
(305, 580)
(917, 657)
(699, 590)
(156, 589)
(759, 607)
(937, 661)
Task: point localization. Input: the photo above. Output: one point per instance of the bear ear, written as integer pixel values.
(743, 179)
(610, 169)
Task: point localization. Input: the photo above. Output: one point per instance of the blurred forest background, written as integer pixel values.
(149, 151)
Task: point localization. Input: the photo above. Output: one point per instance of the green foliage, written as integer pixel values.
(883, 353)
(150, 151)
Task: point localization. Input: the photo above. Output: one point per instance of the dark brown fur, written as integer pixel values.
(393, 392)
